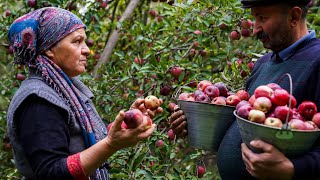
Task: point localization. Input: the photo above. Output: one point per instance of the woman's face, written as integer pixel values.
(272, 27)
(70, 53)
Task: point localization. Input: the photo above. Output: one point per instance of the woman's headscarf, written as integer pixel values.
(37, 31)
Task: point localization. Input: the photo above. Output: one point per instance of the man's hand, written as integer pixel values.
(178, 122)
(271, 164)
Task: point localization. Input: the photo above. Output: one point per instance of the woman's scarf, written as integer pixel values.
(37, 31)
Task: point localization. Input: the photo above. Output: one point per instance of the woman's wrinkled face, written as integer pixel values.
(70, 53)
(272, 27)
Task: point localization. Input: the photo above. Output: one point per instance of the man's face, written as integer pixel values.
(272, 27)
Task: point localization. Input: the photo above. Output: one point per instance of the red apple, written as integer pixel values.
(103, 4)
(197, 32)
(245, 32)
(256, 116)
(20, 77)
(90, 42)
(151, 102)
(263, 91)
(297, 124)
(152, 13)
(296, 115)
(212, 91)
(274, 86)
(273, 121)
(197, 93)
(171, 135)
(165, 90)
(7, 13)
(252, 99)
(171, 106)
(133, 118)
(281, 112)
(293, 102)
(235, 35)
(312, 124)
(123, 126)
(246, 24)
(159, 143)
(138, 61)
(316, 119)
(220, 100)
(184, 96)
(203, 85)
(223, 90)
(309, 125)
(250, 66)
(176, 71)
(159, 18)
(200, 171)
(244, 110)
(280, 97)
(307, 109)
(263, 104)
(232, 100)
(243, 95)
(242, 103)
(202, 98)
(32, 3)
(149, 121)
(223, 26)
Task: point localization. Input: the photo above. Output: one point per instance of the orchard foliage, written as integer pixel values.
(157, 37)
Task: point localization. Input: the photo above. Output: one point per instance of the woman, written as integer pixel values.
(53, 126)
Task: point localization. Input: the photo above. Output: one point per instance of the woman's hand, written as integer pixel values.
(178, 122)
(139, 104)
(119, 137)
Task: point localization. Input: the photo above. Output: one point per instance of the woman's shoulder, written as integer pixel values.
(36, 86)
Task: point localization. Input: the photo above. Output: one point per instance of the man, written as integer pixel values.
(281, 26)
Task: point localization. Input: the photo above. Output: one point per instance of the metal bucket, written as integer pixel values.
(207, 123)
(290, 142)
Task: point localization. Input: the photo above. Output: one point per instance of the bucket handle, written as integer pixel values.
(285, 132)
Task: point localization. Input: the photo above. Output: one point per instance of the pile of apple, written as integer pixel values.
(270, 105)
(134, 117)
(215, 93)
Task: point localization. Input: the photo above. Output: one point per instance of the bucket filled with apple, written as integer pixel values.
(271, 114)
(209, 112)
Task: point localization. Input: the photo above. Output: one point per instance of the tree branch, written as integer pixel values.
(112, 42)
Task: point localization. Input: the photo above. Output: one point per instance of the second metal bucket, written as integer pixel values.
(207, 123)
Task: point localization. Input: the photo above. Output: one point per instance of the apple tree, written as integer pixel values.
(139, 48)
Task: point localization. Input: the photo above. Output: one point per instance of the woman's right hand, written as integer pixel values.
(178, 122)
(119, 137)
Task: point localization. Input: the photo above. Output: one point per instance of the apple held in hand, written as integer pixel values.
(256, 116)
(152, 102)
(133, 118)
(307, 109)
(149, 121)
(212, 91)
(263, 104)
(263, 91)
(273, 122)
